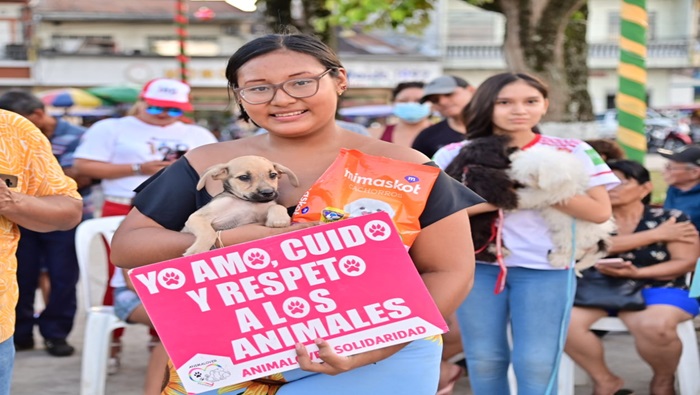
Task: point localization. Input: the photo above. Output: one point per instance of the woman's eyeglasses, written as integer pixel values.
(172, 112)
(297, 88)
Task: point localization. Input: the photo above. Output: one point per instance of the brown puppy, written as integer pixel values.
(250, 190)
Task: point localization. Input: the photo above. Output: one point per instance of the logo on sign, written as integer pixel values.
(209, 374)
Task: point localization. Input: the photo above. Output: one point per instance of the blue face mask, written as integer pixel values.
(411, 112)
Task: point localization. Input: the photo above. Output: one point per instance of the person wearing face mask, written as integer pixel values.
(412, 115)
(449, 95)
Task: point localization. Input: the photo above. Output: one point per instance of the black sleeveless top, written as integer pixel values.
(170, 196)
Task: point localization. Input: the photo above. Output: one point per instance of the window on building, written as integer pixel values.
(614, 26)
(93, 45)
(472, 27)
(195, 46)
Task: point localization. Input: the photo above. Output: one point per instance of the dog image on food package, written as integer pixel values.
(358, 184)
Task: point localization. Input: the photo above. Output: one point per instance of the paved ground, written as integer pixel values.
(38, 373)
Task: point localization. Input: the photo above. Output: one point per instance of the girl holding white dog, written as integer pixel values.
(536, 298)
(290, 86)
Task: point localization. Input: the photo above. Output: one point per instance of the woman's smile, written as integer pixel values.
(289, 115)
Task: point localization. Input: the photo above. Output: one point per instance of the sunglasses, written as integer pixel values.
(172, 112)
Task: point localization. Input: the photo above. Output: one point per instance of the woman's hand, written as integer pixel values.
(671, 230)
(332, 363)
(625, 270)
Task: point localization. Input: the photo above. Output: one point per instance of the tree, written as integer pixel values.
(543, 37)
(320, 17)
(548, 38)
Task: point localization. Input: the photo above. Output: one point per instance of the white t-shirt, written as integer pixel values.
(525, 233)
(129, 140)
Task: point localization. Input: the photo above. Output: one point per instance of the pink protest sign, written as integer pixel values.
(234, 314)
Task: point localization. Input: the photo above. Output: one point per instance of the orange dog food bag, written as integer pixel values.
(358, 184)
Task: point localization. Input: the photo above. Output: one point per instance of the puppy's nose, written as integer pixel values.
(268, 192)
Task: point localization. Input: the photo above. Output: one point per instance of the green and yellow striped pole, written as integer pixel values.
(632, 73)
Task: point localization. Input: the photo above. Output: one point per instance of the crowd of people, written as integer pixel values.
(511, 306)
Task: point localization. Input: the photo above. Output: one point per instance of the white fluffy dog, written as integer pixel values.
(550, 176)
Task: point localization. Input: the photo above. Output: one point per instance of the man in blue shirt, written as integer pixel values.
(53, 252)
(682, 174)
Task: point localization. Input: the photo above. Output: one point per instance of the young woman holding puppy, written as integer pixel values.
(536, 298)
(658, 248)
(290, 85)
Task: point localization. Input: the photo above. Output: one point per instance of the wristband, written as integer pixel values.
(136, 168)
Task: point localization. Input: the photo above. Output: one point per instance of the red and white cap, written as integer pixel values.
(165, 92)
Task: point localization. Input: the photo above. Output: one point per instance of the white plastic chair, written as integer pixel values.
(687, 374)
(90, 247)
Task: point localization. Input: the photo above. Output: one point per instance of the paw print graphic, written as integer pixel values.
(295, 307)
(256, 258)
(197, 375)
(377, 230)
(351, 265)
(171, 278)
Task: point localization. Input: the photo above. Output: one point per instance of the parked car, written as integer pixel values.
(661, 131)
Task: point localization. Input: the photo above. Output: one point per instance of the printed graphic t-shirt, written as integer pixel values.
(129, 140)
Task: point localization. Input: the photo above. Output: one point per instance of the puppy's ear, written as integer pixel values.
(215, 172)
(284, 170)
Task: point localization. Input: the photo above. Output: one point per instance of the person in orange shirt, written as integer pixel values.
(34, 194)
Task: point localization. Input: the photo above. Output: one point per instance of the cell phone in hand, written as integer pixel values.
(611, 262)
(9, 180)
(174, 154)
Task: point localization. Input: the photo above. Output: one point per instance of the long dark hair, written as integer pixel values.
(478, 114)
(301, 43)
(632, 171)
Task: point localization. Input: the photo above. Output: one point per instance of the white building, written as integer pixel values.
(473, 39)
(90, 43)
(79, 43)
(15, 21)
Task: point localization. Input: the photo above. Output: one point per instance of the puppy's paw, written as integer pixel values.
(559, 258)
(588, 260)
(277, 217)
(198, 247)
(278, 221)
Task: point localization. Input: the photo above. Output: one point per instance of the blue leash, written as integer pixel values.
(570, 287)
